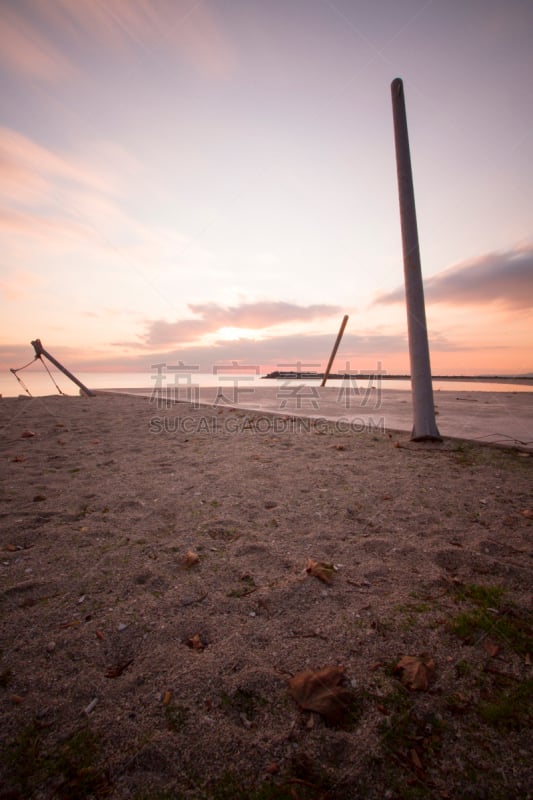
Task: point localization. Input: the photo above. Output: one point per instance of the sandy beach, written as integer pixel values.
(207, 601)
(497, 417)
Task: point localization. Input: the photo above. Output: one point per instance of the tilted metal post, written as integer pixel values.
(334, 351)
(40, 351)
(424, 424)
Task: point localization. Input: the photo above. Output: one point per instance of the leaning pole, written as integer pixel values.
(424, 424)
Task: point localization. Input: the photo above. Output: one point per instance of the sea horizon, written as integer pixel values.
(39, 383)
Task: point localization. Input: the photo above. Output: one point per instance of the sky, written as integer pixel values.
(210, 181)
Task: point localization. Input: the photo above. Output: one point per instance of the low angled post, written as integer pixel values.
(40, 351)
(424, 423)
(334, 351)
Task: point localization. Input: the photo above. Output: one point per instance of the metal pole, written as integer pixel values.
(334, 351)
(424, 423)
(40, 351)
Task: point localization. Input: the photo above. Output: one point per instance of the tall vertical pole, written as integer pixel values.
(424, 424)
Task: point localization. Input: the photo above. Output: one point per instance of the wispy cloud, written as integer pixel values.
(505, 278)
(27, 170)
(212, 317)
(25, 50)
(19, 283)
(119, 29)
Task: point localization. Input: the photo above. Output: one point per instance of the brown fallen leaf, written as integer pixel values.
(319, 569)
(190, 558)
(18, 458)
(527, 513)
(415, 760)
(167, 697)
(195, 642)
(27, 434)
(417, 671)
(99, 635)
(117, 670)
(39, 498)
(322, 691)
(491, 648)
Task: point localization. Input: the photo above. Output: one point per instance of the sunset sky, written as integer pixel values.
(213, 180)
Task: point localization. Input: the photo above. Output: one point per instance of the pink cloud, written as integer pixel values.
(33, 225)
(27, 169)
(19, 284)
(23, 49)
(505, 278)
(211, 317)
(181, 27)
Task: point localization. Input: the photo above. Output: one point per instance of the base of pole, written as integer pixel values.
(426, 437)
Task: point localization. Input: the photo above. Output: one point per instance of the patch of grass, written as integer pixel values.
(176, 716)
(243, 702)
(246, 586)
(510, 708)
(398, 707)
(464, 454)
(68, 766)
(411, 736)
(418, 608)
(463, 669)
(483, 596)
(229, 787)
(489, 616)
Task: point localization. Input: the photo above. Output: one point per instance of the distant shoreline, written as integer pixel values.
(518, 380)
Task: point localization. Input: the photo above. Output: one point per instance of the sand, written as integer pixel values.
(159, 591)
(496, 417)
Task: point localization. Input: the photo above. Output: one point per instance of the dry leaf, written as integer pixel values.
(322, 691)
(491, 648)
(18, 458)
(417, 671)
(167, 697)
(99, 635)
(118, 669)
(27, 434)
(39, 498)
(415, 759)
(324, 572)
(527, 513)
(195, 642)
(190, 558)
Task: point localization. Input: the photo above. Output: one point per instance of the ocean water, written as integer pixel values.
(39, 383)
